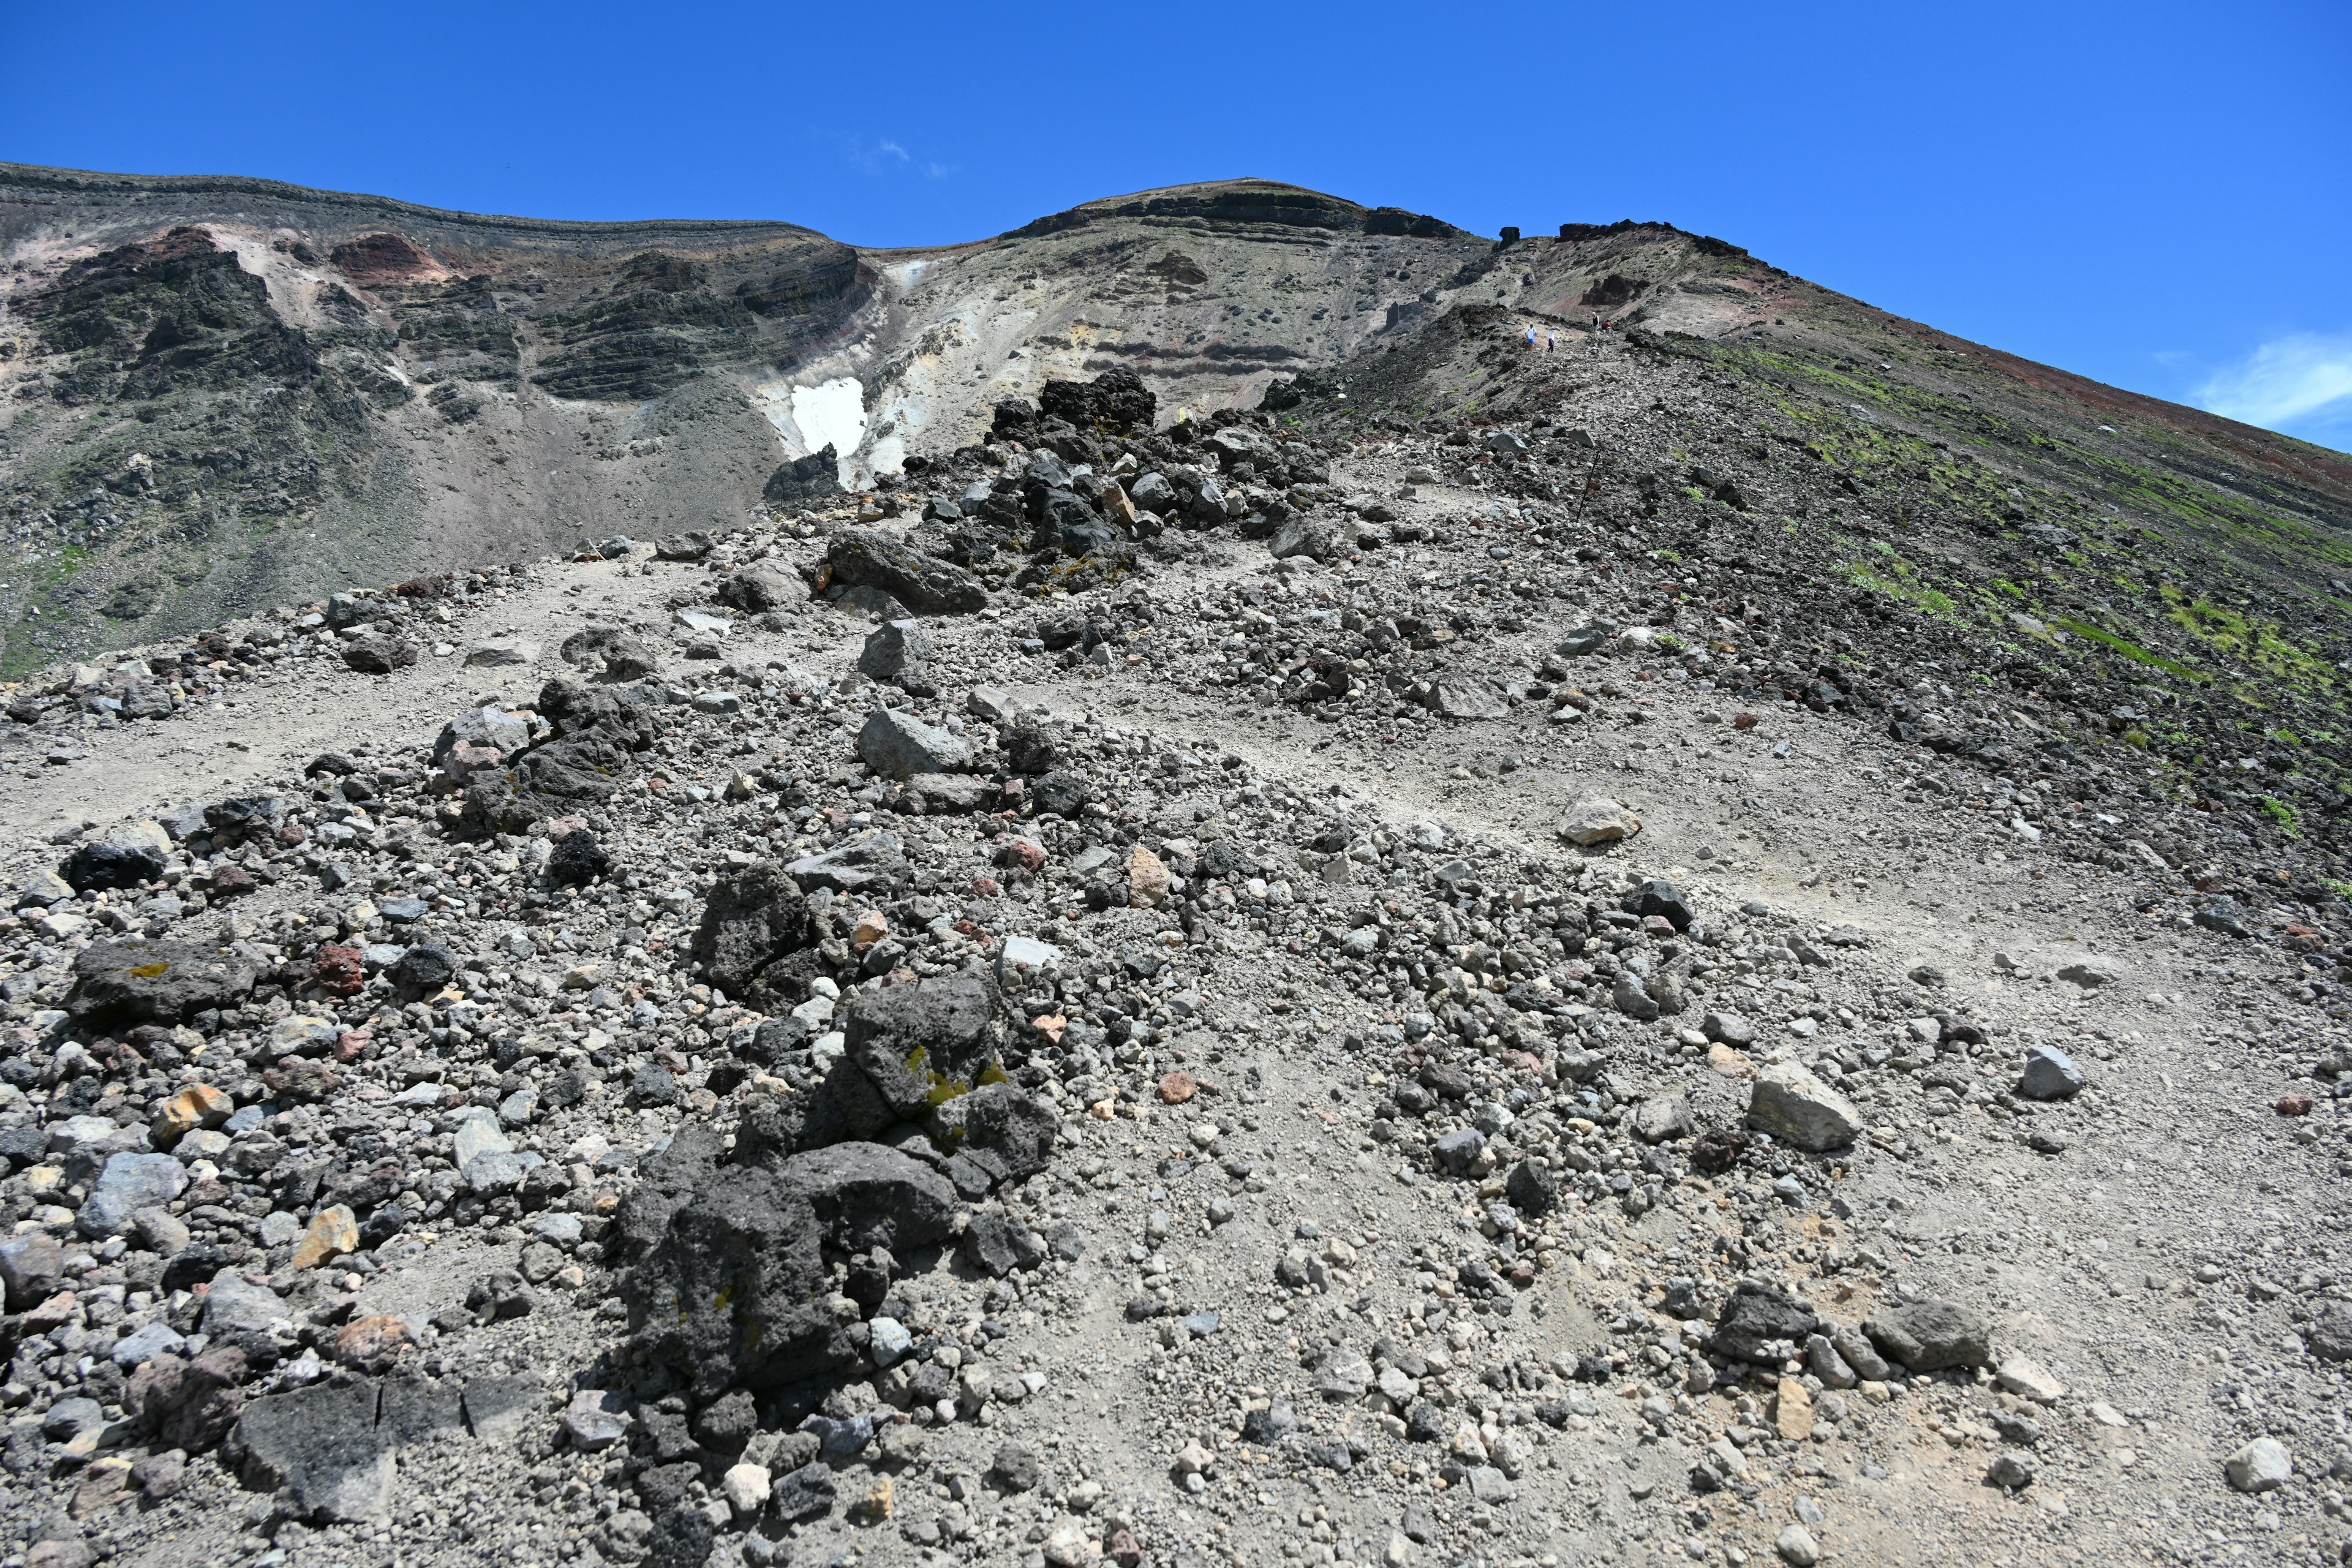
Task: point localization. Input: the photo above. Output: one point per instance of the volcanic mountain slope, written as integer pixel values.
(1335, 995)
(220, 394)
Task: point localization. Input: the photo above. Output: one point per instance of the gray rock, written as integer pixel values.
(1301, 536)
(129, 1183)
(1928, 1336)
(1062, 793)
(1662, 1117)
(596, 1419)
(732, 1289)
(2049, 1074)
(997, 1247)
(32, 1266)
(2328, 1335)
(801, 1495)
(1598, 821)
(1729, 1029)
(1457, 1151)
(1532, 1186)
(1853, 1347)
(502, 653)
(379, 653)
(896, 745)
(499, 1409)
(236, 1303)
(1465, 697)
(753, 920)
(925, 584)
(1660, 896)
(140, 1346)
(1016, 1468)
(2012, 1469)
(925, 1043)
(2263, 1465)
(493, 1172)
(900, 653)
(1759, 1323)
(610, 655)
(1792, 1105)
(1633, 999)
(869, 867)
(485, 726)
(756, 589)
(121, 983)
(1831, 1368)
(321, 1445)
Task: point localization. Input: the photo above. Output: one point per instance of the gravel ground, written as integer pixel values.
(1843, 1154)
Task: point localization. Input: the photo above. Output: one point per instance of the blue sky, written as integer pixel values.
(2153, 193)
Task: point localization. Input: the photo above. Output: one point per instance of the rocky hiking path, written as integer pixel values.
(1327, 1039)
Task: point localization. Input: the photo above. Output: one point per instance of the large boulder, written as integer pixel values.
(1465, 697)
(1797, 1109)
(866, 1196)
(896, 744)
(753, 919)
(923, 583)
(1928, 1336)
(1661, 898)
(667, 1179)
(733, 1293)
(867, 867)
(1116, 402)
(1598, 821)
(129, 1183)
(121, 983)
(758, 589)
(994, 1133)
(489, 727)
(1758, 1323)
(593, 752)
(729, 1292)
(321, 1445)
(804, 480)
(610, 654)
(123, 858)
(899, 654)
(378, 653)
(925, 1043)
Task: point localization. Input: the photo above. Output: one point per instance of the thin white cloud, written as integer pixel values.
(2302, 380)
(878, 157)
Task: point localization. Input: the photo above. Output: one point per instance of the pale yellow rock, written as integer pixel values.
(332, 1232)
(1147, 880)
(1793, 1411)
(198, 1105)
(1722, 1058)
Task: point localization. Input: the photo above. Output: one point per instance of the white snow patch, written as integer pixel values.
(834, 412)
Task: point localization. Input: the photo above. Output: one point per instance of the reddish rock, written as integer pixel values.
(1178, 1087)
(336, 972)
(372, 1345)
